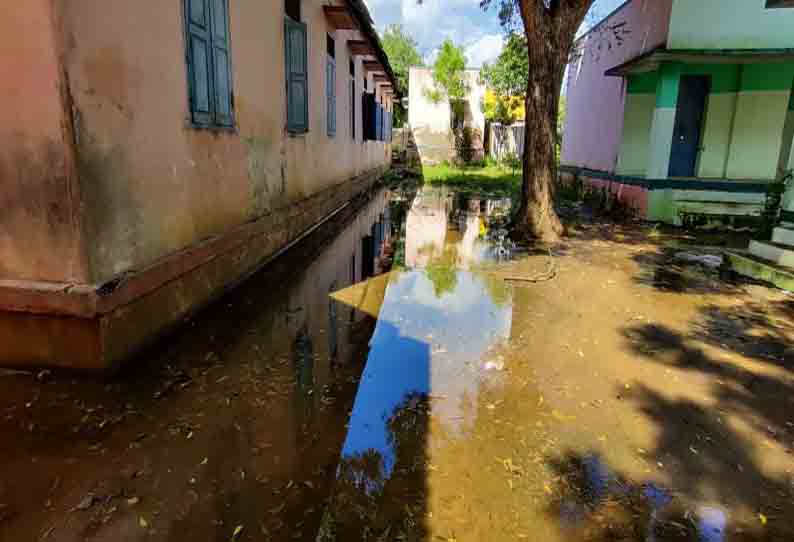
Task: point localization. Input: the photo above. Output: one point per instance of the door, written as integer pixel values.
(692, 94)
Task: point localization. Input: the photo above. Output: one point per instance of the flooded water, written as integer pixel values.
(383, 381)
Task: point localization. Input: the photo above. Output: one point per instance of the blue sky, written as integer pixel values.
(460, 20)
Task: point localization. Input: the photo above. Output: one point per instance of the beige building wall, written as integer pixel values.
(39, 227)
(729, 24)
(431, 122)
(152, 183)
(636, 141)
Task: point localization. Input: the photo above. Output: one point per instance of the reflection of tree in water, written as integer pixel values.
(373, 502)
(442, 271)
(497, 288)
(303, 358)
(444, 278)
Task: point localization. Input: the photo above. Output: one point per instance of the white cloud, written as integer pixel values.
(430, 58)
(483, 50)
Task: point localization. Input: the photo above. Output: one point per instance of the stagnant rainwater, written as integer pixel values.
(365, 386)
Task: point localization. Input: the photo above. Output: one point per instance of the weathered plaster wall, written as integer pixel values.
(637, 120)
(39, 234)
(729, 24)
(151, 183)
(761, 111)
(595, 103)
(430, 122)
(742, 126)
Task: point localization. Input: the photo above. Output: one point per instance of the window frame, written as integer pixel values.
(352, 69)
(291, 129)
(195, 119)
(331, 98)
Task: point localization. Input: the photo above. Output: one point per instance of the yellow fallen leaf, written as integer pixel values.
(142, 523)
(237, 531)
(763, 519)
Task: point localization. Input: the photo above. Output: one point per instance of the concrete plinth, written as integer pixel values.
(97, 327)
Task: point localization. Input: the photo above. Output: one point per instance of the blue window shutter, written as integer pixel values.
(330, 91)
(224, 115)
(382, 123)
(199, 52)
(296, 76)
(377, 122)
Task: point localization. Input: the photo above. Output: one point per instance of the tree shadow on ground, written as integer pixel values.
(595, 503)
(383, 496)
(762, 331)
(711, 447)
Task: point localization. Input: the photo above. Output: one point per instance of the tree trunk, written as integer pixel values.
(537, 218)
(550, 33)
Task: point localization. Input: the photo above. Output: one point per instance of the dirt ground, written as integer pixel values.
(631, 397)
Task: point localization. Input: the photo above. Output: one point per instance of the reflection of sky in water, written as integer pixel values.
(424, 344)
(599, 483)
(711, 524)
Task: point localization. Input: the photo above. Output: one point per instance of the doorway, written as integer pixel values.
(692, 94)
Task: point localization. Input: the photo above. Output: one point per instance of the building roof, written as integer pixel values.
(367, 27)
(651, 60)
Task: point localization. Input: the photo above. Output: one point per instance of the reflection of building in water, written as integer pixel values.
(426, 227)
(498, 207)
(450, 229)
(318, 332)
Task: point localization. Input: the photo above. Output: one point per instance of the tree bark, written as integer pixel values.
(550, 32)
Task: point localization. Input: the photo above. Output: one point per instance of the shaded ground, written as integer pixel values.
(236, 421)
(632, 397)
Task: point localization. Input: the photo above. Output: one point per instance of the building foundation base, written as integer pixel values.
(87, 327)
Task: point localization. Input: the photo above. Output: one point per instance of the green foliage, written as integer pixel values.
(508, 75)
(449, 75)
(484, 180)
(443, 276)
(511, 161)
(402, 51)
(504, 110)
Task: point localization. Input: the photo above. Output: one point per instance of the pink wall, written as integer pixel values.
(39, 232)
(635, 197)
(594, 121)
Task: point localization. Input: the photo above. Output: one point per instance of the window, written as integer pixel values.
(780, 3)
(209, 63)
(330, 86)
(296, 76)
(293, 9)
(353, 100)
(378, 122)
(368, 114)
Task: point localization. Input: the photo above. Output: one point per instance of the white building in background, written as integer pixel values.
(432, 123)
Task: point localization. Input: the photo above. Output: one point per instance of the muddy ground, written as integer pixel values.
(632, 396)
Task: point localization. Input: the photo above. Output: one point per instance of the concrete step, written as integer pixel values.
(783, 236)
(773, 252)
(752, 266)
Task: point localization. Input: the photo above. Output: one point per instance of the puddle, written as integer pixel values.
(377, 383)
